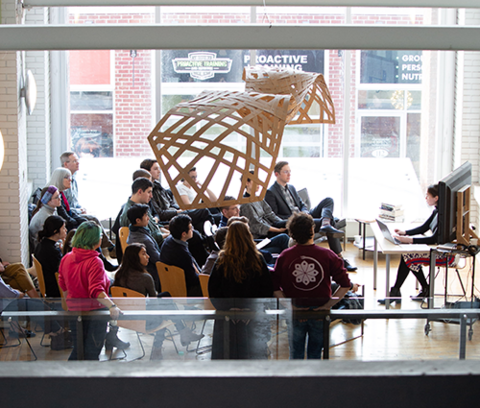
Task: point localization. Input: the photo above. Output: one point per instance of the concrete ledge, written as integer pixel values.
(239, 384)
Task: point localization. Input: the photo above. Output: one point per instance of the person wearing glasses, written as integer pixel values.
(285, 201)
(187, 192)
(62, 179)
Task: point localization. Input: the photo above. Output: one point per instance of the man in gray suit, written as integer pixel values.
(284, 201)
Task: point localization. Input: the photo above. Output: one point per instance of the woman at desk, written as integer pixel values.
(412, 262)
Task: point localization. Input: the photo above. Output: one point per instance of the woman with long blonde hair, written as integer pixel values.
(240, 274)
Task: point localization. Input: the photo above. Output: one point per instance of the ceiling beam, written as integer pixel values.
(258, 3)
(251, 36)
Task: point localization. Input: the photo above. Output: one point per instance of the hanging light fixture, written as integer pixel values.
(29, 92)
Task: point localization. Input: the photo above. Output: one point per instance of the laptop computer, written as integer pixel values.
(386, 233)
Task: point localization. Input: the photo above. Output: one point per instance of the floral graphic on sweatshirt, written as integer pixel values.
(305, 272)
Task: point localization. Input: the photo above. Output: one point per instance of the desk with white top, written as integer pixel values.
(388, 248)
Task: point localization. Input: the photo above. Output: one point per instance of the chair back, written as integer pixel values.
(123, 233)
(207, 304)
(303, 194)
(172, 279)
(41, 280)
(128, 299)
(203, 277)
(62, 294)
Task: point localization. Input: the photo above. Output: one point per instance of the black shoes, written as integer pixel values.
(395, 296)
(112, 340)
(24, 333)
(424, 293)
(329, 230)
(348, 267)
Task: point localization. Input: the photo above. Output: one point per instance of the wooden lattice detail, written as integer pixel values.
(308, 89)
(228, 132)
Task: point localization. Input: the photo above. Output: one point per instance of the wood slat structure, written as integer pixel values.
(203, 129)
(308, 88)
(236, 133)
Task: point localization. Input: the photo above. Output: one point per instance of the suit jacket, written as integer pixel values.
(276, 200)
(260, 217)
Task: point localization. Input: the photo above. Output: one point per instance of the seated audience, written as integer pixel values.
(85, 283)
(62, 179)
(228, 211)
(47, 205)
(187, 193)
(132, 275)
(304, 274)
(140, 234)
(70, 161)
(240, 274)
(285, 201)
(220, 236)
(163, 203)
(175, 251)
(48, 252)
(14, 300)
(263, 222)
(142, 194)
(18, 278)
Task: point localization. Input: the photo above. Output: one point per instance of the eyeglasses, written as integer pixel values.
(67, 178)
(286, 172)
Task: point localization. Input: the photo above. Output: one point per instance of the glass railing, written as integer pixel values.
(210, 329)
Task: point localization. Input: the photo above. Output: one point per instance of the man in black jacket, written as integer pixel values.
(174, 251)
(284, 201)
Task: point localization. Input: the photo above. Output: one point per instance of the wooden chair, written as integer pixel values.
(172, 279)
(62, 294)
(41, 286)
(127, 299)
(41, 280)
(123, 233)
(204, 283)
(207, 305)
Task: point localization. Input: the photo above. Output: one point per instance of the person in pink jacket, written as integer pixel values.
(83, 279)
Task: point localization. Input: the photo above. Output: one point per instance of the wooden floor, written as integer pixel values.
(382, 340)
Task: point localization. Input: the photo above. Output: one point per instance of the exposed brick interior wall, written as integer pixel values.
(13, 176)
(38, 124)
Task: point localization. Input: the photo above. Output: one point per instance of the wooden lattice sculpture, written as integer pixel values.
(231, 133)
(309, 90)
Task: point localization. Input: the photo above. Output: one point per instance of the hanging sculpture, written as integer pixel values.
(308, 88)
(235, 133)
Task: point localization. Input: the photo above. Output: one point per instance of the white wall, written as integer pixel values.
(38, 124)
(467, 108)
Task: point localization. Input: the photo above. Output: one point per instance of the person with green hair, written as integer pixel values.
(83, 279)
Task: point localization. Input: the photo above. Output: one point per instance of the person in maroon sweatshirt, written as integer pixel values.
(303, 273)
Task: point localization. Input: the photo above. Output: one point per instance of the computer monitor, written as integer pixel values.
(447, 201)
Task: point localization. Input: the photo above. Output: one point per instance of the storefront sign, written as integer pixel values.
(391, 67)
(202, 65)
(228, 65)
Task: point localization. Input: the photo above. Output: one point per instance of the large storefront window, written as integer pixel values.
(386, 117)
(91, 103)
